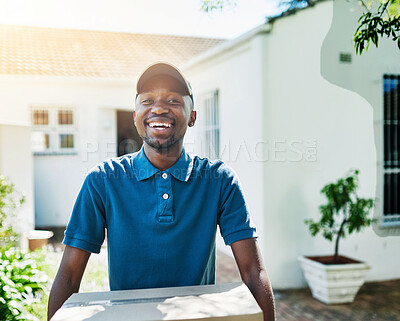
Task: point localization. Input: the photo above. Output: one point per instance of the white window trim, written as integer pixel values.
(210, 141)
(54, 130)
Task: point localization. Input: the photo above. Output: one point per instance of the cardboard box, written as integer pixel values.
(205, 302)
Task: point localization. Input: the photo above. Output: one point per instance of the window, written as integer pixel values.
(391, 160)
(65, 117)
(53, 130)
(345, 57)
(40, 117)
(211, 125)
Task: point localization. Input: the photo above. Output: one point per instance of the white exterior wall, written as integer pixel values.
(238, 79)
(288, 107)
(58, 177)
(366, 79)
(16, 163)
(303, 106)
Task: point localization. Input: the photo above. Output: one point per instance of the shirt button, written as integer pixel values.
(164, 175)
(165, 196)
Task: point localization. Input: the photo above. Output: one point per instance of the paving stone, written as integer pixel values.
(375, 301)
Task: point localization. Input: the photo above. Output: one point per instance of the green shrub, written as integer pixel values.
(10, 201)
(22, 280)
(21, 284)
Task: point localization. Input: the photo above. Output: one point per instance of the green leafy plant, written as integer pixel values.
(21, 284)
(375, 24)
(10, 201)
(22, 278)
(343, 212)
(217, 5)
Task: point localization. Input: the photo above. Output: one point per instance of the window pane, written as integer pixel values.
(211, 128)
(65, 117)
(66, 141)
(40, 117)
(40, 141)
(391, 108)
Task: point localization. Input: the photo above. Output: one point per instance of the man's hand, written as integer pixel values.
(68, 278)
(254, 275)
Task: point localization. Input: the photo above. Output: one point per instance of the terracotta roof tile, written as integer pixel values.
(66, 52)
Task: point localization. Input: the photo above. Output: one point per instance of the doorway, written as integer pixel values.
(129, 140)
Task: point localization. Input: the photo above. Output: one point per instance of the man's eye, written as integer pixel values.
(173, 101)
(146, 101)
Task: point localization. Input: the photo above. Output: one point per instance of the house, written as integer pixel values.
(291, 107)
(66, 99)
(16, 159)
(288, 105)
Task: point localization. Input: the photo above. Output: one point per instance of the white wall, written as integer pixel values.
(12, 102)
(364, 76)
(303, 106)
(58, 177)
(237, 77)
(311, 132)
(16, 163)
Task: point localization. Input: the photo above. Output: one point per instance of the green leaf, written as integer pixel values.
(343, 210)
(20, 281)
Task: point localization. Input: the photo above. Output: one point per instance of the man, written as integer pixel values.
(161, 207)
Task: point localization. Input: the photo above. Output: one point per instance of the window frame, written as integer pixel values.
(54, 130)
(211, 124)
(388, 167)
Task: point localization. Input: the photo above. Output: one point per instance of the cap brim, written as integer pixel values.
(162, 69)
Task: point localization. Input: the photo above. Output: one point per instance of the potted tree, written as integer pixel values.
(336, 278)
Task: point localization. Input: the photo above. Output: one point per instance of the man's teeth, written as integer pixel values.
(159, 125)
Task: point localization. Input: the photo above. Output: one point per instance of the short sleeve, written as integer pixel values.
(86, 228)
(234, 218)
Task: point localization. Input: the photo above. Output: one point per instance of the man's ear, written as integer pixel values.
(192, 120)
(134, 118)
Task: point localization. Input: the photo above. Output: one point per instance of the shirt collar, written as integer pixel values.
(182, 168)
(143, 169)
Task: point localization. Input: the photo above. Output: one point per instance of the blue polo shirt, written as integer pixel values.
(161, 225)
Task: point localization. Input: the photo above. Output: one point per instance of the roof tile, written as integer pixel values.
(88, 53)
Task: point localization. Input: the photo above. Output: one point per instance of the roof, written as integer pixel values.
(66, 52)
(226, 46)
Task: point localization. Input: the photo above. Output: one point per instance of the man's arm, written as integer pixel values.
(68, 278)
(254, 275)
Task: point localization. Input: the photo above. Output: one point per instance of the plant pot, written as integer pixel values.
(38, 238)
(333, 283)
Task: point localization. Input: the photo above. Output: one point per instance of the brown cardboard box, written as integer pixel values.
(205, 302)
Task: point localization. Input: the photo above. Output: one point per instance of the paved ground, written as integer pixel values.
(376, 301)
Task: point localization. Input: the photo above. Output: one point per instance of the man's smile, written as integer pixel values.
(159, 125)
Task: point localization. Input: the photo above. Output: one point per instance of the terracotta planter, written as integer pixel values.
(333, 283)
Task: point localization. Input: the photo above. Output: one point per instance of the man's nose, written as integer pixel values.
(159, 107)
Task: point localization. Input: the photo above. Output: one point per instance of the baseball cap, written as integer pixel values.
(163, 68)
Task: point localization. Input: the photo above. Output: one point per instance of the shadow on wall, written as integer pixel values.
(366, 75)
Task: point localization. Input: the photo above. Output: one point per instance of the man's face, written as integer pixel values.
(161, 117)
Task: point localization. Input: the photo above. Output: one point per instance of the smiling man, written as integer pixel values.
(161, 207)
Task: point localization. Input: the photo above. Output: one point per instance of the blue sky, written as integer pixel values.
(180, 17)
